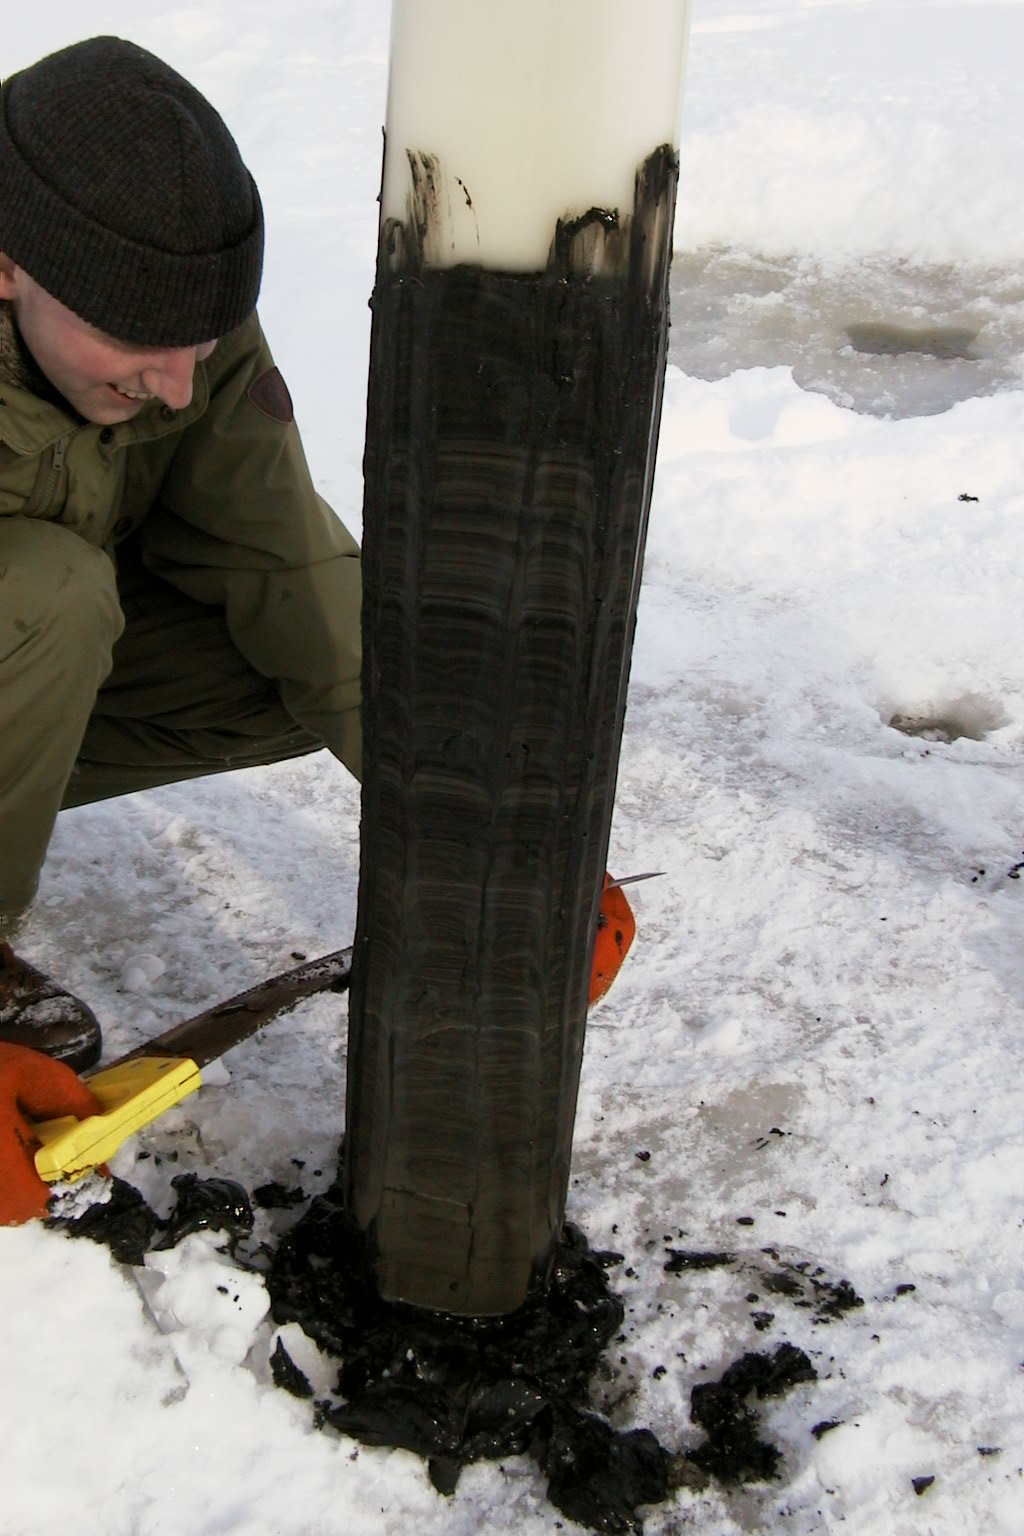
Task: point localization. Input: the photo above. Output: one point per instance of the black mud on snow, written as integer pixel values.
(130, 1228)
(457, 1390)
(734, 1451)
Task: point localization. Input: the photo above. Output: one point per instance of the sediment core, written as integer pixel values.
(511, 436)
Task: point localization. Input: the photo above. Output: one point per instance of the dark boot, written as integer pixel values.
(37, 1012)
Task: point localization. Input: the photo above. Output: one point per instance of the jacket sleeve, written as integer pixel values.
(239, 524)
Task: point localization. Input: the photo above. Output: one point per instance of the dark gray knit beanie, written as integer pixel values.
(123, 194)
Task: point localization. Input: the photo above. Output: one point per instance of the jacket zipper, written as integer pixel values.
(39, 503)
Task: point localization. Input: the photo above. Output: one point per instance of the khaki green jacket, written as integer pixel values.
(221, 496)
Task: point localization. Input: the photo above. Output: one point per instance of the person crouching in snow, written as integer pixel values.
(175, 597)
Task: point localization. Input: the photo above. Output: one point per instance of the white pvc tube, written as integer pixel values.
(536, 110)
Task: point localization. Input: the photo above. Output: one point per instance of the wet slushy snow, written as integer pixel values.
(814, 1056)
(884, 337)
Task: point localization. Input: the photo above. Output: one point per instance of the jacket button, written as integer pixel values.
(107, 435)
(168, 412)
(123, 527)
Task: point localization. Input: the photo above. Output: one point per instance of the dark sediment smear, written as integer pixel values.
(512, 425)
(130, 1228)
(458, 1390)
(734, 1451)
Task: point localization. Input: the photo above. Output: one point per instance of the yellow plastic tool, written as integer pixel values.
(139, 1087)
(132, 1093)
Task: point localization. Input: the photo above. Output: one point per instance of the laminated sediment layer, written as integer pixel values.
(511, 434)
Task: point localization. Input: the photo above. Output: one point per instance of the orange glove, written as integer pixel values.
(615, 929)
(32, 1087)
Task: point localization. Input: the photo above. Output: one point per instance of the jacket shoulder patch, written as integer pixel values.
(269, 394)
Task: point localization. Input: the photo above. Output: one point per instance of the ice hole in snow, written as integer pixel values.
(970, 715)
(881, 335)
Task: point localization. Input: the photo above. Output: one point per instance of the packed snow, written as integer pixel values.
(821, 1027)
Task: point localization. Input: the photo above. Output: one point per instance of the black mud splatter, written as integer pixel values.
(823, 1427)
(130, 1228)
(457, 1390)
(810, 1289)
(734, 1451)
(287, 1374)
(687, 1258)
(124, 1223)
(833, 1299)
(277, 1196)
(214, 1205)
(783, 1284)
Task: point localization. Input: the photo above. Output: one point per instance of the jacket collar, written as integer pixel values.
(17, 365)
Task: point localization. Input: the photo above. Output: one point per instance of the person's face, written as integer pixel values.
(105, 380)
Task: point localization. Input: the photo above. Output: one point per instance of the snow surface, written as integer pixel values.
(834, 952)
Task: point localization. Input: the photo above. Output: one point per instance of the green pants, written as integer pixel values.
(111, 683)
